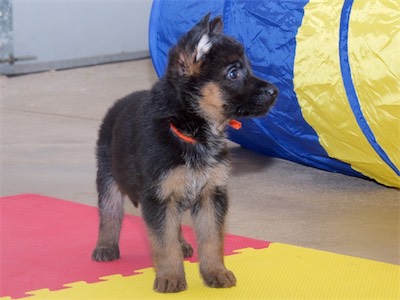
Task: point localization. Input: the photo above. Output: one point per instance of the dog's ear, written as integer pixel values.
(204, 45)
(207, 29)
(186, 57)
(203, 25)
(216, 25)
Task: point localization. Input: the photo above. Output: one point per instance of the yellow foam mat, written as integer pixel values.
(277, 272)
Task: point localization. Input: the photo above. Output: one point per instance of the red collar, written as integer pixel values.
(182, 136)
(233, 123)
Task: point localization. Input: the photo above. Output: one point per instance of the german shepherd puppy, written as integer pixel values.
(165, 149)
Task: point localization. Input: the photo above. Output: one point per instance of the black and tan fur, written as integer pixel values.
(208, 82)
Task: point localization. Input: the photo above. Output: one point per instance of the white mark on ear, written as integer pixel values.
(203, 46)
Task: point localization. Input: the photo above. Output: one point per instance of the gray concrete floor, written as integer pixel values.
(49, 123)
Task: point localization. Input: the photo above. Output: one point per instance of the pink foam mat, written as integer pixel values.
(47, 242)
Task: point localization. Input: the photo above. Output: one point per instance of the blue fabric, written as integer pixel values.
(268, 30)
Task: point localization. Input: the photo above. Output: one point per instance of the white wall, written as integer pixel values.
(69, 33)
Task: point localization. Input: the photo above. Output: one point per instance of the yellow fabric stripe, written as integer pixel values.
(322, 97)
(374, 45)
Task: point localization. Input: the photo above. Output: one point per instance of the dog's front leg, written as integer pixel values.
(163, 222)
(209, 216)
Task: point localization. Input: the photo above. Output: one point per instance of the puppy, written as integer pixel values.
(165, 149)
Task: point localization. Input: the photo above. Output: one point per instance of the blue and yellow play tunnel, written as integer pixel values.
(336, 64)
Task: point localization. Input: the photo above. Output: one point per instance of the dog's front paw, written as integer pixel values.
(105, 253)
(219, 279)
(170, 284)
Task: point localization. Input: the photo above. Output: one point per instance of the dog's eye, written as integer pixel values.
(233, 73)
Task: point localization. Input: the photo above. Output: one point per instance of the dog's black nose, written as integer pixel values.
(267, 95)
(270, 90)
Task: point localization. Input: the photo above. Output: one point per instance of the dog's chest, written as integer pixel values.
(186, 184)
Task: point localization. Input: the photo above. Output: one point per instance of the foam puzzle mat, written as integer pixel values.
(45, 247)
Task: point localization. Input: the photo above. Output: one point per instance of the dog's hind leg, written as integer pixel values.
(209, 218)
(111, 211)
